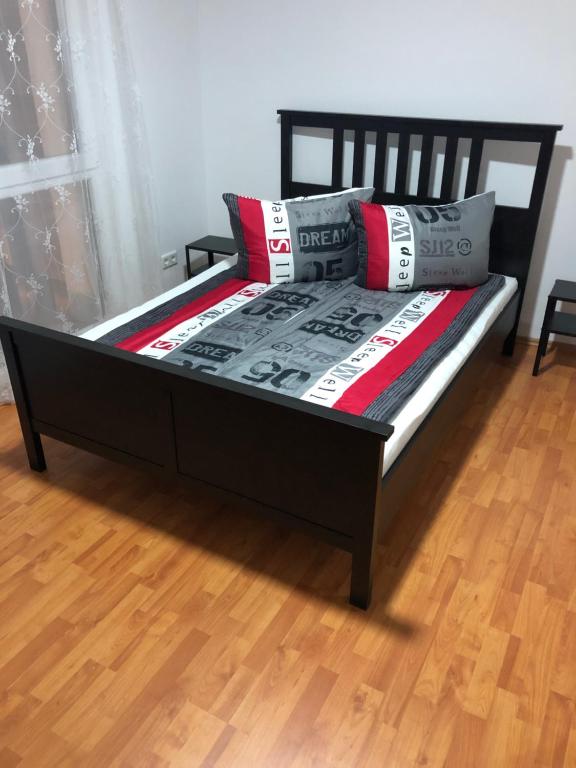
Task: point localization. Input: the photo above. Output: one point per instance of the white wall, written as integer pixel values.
(212, 74)
(167, 68)
(508, 61)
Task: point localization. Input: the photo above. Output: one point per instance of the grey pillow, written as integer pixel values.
(403, 248)
(298, 240)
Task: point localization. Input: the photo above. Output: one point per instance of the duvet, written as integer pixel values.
(332, 343)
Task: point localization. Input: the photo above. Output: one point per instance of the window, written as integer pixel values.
(49, 267)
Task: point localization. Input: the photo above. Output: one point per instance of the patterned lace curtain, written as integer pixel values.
(76, 219)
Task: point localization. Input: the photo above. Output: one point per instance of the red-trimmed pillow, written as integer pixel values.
(299, 240)
(407, 247)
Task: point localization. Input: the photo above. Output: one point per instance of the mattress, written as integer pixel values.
(413, 409)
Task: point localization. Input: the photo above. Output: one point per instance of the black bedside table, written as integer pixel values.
(211, 244)
(556, 322)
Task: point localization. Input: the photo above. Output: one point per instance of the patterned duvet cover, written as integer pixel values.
(332, 343)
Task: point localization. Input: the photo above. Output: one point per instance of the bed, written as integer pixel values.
(337, 475)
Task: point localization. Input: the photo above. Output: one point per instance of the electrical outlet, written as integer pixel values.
(169, 259)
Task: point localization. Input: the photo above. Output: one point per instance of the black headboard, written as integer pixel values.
(514, 228)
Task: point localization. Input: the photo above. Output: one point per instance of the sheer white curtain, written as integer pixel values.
(76, 216)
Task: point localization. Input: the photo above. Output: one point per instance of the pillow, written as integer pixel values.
(299, 240)
(403, 248)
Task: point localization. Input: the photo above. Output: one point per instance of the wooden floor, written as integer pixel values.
(147, 626)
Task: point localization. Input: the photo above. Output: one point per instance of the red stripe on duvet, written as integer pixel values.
(378, 266)
(144, 337)
(359, 396)
(254, 231)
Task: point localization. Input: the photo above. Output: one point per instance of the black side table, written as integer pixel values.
(556, 322)
(211, 244)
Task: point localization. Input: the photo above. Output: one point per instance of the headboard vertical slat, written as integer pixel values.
(380, 160)
(402, 163)
(358, 162)
(449, 166)
(425, 165)
(286, 155)
(337, 157)
(474, 163)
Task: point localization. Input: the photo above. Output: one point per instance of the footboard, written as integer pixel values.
(312, 467)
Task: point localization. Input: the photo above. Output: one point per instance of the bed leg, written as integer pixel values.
(509, 344)
(35, 451)
(366, 535)
(32, 440)
(361, 579)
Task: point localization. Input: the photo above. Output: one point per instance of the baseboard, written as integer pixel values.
(530, 342)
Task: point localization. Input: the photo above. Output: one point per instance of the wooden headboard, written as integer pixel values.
(514, 229)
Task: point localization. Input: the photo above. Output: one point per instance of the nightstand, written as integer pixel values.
(556, 322)
(211, 244)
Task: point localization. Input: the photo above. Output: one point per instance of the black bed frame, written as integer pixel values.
(311, 467)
